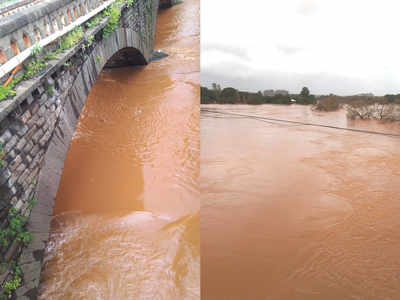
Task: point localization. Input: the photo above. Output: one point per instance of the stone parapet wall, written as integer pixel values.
(22, 30)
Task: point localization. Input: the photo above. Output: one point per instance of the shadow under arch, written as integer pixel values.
(126, 57)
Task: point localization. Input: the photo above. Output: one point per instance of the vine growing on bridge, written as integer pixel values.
(114, 13)
(71, 39)
(11, 238)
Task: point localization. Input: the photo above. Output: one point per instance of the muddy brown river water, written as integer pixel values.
(126, 222)
(297, 212)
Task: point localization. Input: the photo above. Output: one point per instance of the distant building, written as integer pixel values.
(366, 95)
(271, 93)
(281, 92)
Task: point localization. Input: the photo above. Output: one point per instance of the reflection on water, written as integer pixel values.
(298, 212)
(126, 222)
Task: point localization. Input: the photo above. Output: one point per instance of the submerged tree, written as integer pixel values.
(305, 92)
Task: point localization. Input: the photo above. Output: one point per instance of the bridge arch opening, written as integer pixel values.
(128, 56)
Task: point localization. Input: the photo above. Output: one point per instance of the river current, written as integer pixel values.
(126, 216)
(297, 212)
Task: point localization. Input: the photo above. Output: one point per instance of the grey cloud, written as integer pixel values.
(320, 83)
(235, 51)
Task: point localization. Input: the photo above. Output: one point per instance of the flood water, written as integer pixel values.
(298, 212)
(126, 222)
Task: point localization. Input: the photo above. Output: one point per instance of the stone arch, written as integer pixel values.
(122, 40)
(128, 56)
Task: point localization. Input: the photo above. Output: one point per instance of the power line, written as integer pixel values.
(302, 123)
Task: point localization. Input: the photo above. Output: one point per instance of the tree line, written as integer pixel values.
(362, 106)
(230, 95)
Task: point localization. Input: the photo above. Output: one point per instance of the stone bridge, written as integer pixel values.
(50, 56)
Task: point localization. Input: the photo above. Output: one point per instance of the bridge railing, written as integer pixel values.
(8, 7)
(4, 3)
(41, 24)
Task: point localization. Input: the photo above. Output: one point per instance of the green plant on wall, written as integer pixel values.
(11, 285)
(50, 90)
(36, 50)
(36, 64)
(50, 55)
(15, 282)
(5, 92)
(15, 229)
(71, 39)
(8, 91)
(93, 21)
(34, 67)
(90, 40)
(114, 13)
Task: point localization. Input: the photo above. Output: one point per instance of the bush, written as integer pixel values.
(71, 38)
(228, 95)
(34, 67)
(93, 22)
(373, 108)
(5, 92)
(329, 103)
(8, 91)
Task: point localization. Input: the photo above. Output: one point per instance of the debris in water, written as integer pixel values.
(157, 55)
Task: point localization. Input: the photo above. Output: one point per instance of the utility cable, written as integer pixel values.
(259, 118)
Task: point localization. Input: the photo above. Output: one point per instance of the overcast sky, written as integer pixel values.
(331, 46)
